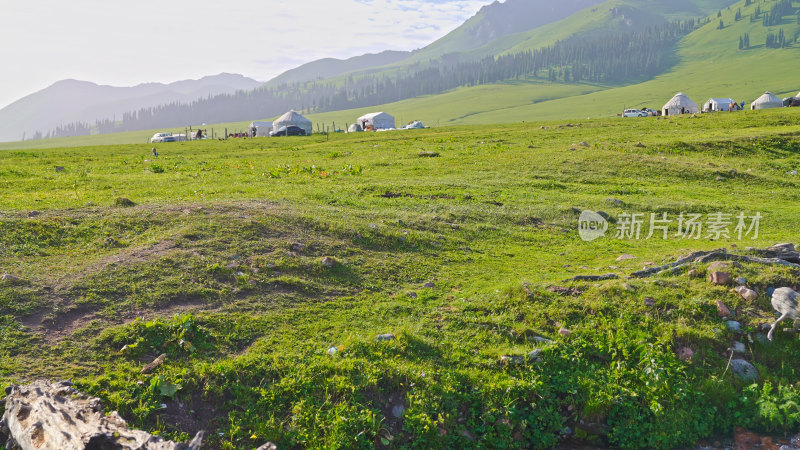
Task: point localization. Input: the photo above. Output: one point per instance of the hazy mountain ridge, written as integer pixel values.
(596, 19)
(331, 67)
(83, 101)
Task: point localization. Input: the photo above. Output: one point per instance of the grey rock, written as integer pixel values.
(741, 281)
(297, 247)
(738, 347)
(535, 355)
(428, 285)
(615, 201)
(398, 411)
(649, 302)
(733, 325)
(543, 340)
(744, 370)
(386, 337)
(45, 415)
(60, 168)
(412, 294)
(33, 213)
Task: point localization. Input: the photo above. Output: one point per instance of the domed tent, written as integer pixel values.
(680, 104)
(766, 101)
(721, 104)
(292, 118)
(354, 128)
(376, 121)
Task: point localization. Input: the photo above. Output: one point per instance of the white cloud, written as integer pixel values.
(44, 41)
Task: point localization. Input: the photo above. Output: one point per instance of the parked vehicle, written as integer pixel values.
(291, 130)
(634, 113)
(162, 137)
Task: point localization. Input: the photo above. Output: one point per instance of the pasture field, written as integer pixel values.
(265, 269)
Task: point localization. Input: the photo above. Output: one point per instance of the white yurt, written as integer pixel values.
(376, 121)
(292, 118)
(680, 104)
(721, 104)
(260, 129)
(766, 101)
(354, 128)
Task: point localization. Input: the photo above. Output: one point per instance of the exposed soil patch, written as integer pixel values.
(55, 326)
(389, 194)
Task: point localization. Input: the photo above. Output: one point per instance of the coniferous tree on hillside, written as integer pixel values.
(610, 58)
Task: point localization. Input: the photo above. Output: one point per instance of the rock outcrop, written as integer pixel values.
(45, 416)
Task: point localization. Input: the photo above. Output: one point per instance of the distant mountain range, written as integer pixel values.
(82, 101)
(560, 41)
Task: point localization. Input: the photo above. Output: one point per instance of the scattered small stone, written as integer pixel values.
(271, 265)
(542, 340)
(738, 347)
(428, 154)
(327, 261)
(232, 265)
(428, 285)
(722, 309)
(747, 294)
(33, 213)
(124, 202)
(60, 168)
(744, 370)
(8, 278)
(615, 201)
(535, 355)
(398, 411)
(720, 179)
(297, 247)
(639, 144)
(741, 281)
(649, 302)
(685, 354)
(719, 278)
(386, 337)
(186, 212)
(412, 294)
(625, 286)
(509, 360)
(733, 325)
(584, 144)
(564, 332)
(239, 274)
(625, 257)
(154, 365)
(694, 273)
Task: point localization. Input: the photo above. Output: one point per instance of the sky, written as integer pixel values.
(128, 43)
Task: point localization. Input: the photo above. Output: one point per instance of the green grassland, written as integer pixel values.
(200, 265)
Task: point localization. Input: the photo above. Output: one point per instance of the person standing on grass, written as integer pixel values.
(155, 153)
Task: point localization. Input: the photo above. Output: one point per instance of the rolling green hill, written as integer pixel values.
(265, 270)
